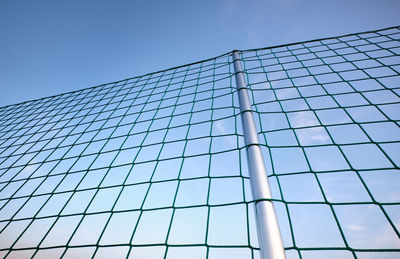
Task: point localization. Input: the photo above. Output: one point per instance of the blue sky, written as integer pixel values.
(160, 159)
(50, 47)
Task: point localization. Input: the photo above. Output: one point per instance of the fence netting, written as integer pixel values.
(155, 166)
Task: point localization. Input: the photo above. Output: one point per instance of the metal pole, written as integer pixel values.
(269, 236)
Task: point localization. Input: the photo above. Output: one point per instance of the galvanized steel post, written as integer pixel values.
(269, 236)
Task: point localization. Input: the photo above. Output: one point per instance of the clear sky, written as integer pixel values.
(159, 161)
(51, 47)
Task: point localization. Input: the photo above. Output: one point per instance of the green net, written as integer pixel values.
(155, 166)
(328, 115)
